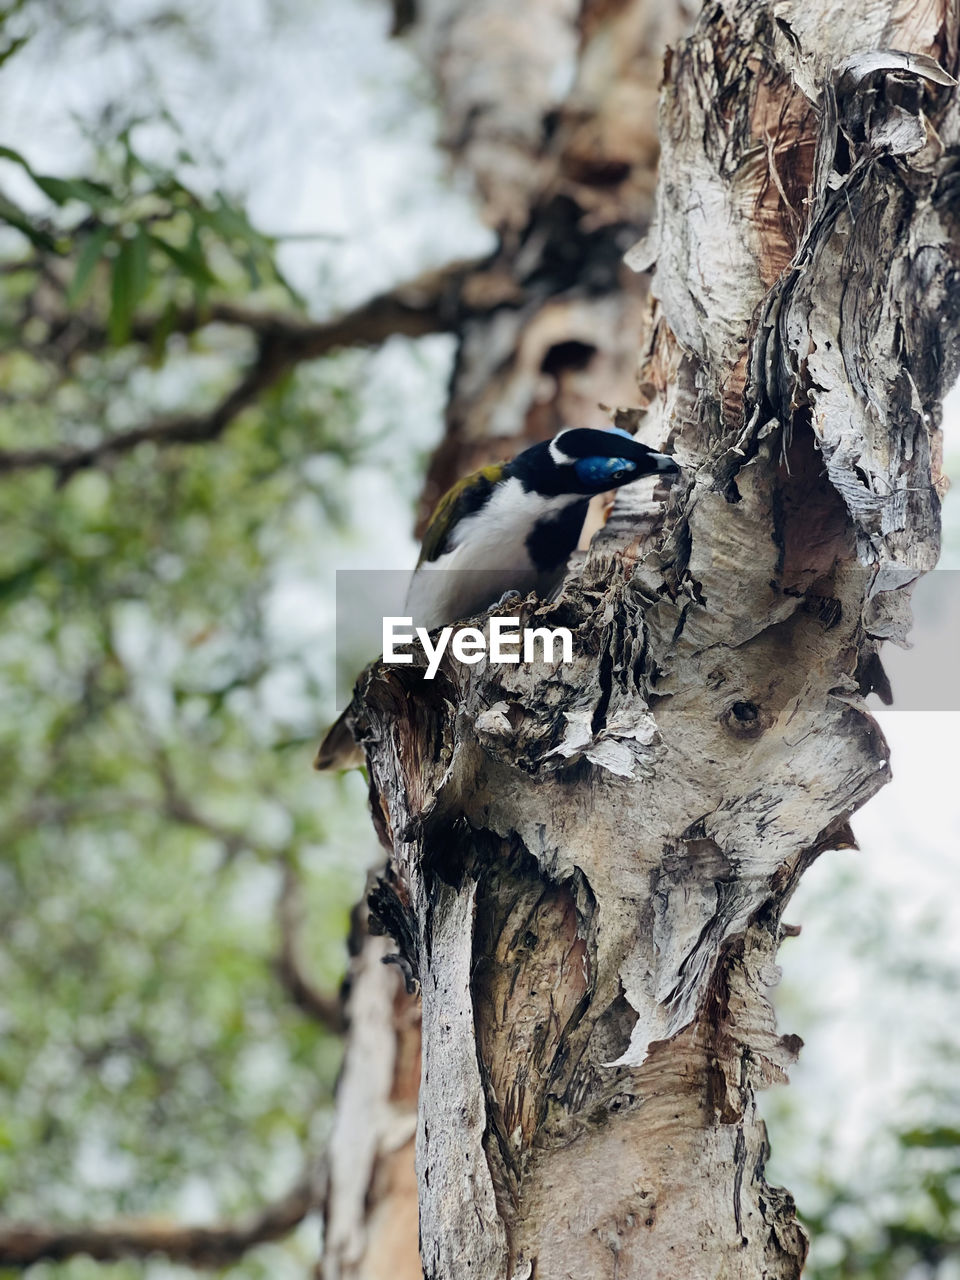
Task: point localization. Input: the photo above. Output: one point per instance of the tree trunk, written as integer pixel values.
(370, 1218)
(590, 862)
(550, 326)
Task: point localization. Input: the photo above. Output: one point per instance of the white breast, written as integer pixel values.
(488, 557)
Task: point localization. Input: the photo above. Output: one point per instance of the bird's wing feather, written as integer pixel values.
(465, 497)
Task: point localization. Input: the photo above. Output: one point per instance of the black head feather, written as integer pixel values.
(586, 460)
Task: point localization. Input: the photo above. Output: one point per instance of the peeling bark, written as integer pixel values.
(370, 1215)
(590, 861)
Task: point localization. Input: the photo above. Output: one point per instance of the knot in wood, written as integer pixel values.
(744, 719)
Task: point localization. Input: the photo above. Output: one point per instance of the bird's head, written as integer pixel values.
(586, 460)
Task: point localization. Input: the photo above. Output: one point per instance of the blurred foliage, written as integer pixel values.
(131, 229)
(908, 1225)
(896, 1216)
(159, 720)
(869, 1140)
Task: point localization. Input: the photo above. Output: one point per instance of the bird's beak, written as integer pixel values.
(648, 460)
(665, 463)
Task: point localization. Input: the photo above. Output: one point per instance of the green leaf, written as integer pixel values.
(231, 221)
(191, 260)
(130, 275)
(935, 1136)
(11, 10)
(87, 259)
(8, 153)
(21, 580)
(253, 249)
(141, 264)
(13, 47)
(14, 216)
(121, 307)
(62, 190)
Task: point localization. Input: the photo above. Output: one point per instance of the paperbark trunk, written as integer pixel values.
(590, 862)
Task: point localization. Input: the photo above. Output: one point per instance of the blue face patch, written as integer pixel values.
(598, 471)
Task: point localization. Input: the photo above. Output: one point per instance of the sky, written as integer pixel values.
(328, 124)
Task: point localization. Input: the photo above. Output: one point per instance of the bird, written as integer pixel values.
(509, 529)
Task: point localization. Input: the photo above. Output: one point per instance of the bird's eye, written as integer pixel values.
(603, 471)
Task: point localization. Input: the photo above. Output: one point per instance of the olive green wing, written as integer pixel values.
(463, 499)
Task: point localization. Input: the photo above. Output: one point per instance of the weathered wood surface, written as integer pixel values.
(591, 862)
(548, 327)
(370, 1215)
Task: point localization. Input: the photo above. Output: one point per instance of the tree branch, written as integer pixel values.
(320, 1005)
(179, 808)
(23, 1244)
(324, 1008)
(429, 304)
